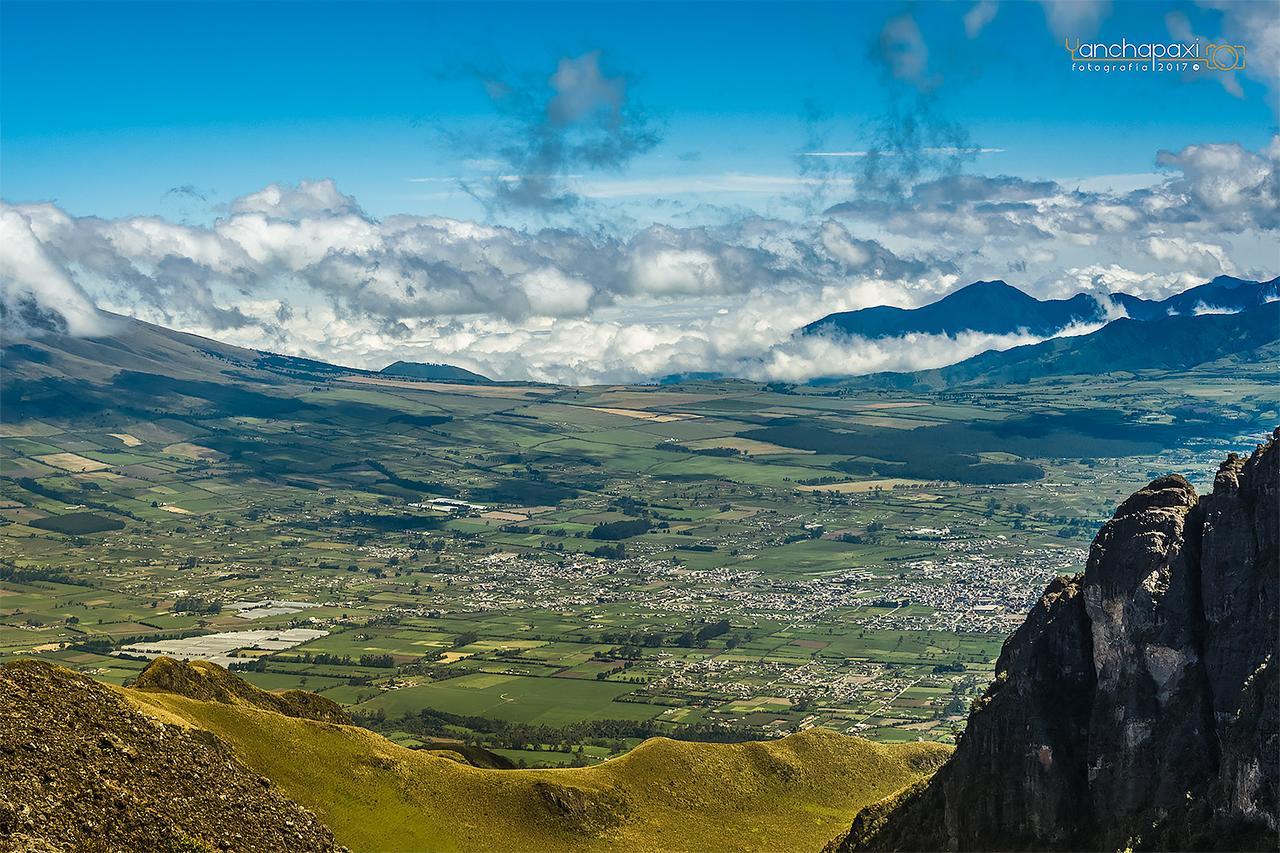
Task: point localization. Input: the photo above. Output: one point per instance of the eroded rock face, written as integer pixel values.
(1137, 705)
(1149, 729)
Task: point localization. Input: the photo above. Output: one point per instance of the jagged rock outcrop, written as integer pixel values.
(80, 769)
(209, 682)
(1138, 705)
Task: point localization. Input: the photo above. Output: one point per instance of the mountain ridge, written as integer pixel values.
(995, 307)
(51, 372)
(1176, 342)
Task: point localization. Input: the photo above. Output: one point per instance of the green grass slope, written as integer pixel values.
(795, 793)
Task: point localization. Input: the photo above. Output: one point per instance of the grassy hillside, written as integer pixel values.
(795, 793)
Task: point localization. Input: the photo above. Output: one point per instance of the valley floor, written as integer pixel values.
(557, 574)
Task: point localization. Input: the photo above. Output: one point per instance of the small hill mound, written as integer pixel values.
(437, 372)
(81, 770)
(666, 795)
(465, 753)
(209, 682)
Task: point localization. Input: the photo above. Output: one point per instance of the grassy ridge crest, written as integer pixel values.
(665, 795)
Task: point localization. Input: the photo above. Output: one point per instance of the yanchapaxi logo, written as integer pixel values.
(1125, 55)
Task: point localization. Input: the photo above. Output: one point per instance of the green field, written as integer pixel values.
(798, 566)
(548, 701)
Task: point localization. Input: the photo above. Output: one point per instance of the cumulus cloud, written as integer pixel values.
(308, 198)
(1209, 191)
(1236, 187)
(1206, 259)
(304, 269)
(36, 294)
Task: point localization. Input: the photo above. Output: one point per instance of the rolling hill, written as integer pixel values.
(145, 369)
(436, 372)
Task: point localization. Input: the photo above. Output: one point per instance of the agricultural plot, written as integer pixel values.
(558, 573)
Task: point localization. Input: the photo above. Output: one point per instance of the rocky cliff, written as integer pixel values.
(1138, 705)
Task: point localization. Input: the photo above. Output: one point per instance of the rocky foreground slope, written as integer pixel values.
(80, 769)
(1138, 706)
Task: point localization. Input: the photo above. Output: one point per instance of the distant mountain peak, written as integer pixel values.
(995, 284)
(991, 307)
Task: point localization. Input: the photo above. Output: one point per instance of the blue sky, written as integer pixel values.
(615, 191)
(107, 106)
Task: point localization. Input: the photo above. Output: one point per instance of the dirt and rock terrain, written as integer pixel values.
(81, 770)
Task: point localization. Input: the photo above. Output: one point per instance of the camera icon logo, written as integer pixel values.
(1224, 57)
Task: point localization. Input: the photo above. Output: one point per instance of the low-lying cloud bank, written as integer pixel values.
(816, 356)
(304, 269)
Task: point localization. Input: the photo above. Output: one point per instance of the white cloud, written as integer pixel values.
(1235, 186)
(814, 356)
(303, 269)
(1206, 259)
(308, 198)
(551, 293)
(1256, 26)
(1115, 278)
(979, 15)
(1204, 308)
(1075, 18)
(36, 294)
